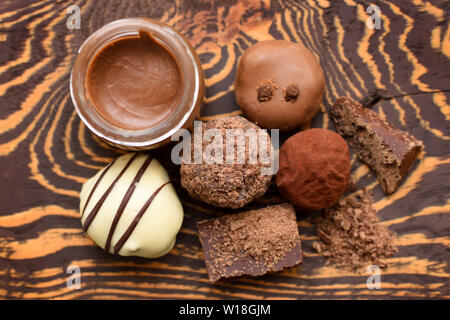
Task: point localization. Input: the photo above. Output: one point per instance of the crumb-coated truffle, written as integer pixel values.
(279, 84)
(230, 184)
(314, 169)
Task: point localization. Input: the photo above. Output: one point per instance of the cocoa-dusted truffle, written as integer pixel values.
(279, 84)
(231, 184)
(314, 169)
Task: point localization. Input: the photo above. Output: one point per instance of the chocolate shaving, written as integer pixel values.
(352, 186)
(351, 236)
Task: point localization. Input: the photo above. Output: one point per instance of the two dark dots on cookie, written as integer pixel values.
(266, 89)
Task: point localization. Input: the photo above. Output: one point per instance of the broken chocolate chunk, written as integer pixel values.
(389, 151)
(351, 236)
(251, 243)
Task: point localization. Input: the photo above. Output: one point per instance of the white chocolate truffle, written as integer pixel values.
(130, 207)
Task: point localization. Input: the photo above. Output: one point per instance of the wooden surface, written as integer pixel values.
(46, 153)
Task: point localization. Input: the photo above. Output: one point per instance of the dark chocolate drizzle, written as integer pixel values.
(125, 200)
(136, 220)
(100, 202)
(95, 186)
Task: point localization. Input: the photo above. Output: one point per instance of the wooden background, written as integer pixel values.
(46, 153)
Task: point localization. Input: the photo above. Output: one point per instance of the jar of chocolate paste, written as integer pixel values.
(135, 82)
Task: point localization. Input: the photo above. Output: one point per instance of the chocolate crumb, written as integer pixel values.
(265, 90)
(291, 92)
(317, 246)
(351, 236)
(352, 186)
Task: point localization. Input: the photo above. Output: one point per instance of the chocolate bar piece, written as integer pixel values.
(389, 151)
(251, 243)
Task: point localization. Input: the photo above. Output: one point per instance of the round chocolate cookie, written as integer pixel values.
(279, 84)
(314, 169)
(241, 177)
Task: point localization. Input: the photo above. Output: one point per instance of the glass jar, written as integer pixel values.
(191, 75)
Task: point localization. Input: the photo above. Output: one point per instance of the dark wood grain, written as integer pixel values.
(46, 153)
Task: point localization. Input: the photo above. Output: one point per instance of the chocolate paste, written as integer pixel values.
(135, 82)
